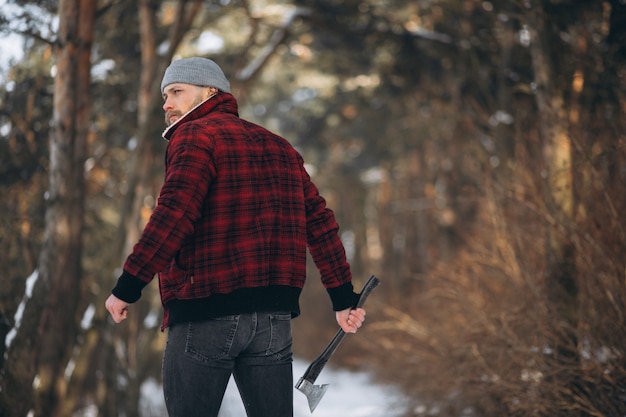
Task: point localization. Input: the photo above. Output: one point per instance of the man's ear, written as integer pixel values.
(210, 91)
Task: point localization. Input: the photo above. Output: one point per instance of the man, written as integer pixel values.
(228, 239)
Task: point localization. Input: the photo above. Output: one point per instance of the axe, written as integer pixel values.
(306, 384)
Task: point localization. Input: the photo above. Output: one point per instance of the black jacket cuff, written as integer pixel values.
(128, 288)
(343, 297)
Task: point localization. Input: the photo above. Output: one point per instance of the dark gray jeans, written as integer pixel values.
(255, 348)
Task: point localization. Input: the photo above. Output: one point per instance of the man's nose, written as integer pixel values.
(167, 105)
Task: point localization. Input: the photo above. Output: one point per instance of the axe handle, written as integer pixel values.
(315, 368)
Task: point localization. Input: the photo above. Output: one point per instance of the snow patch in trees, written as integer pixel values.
(19, 313)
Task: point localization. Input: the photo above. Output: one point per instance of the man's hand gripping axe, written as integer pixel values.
(314, 393)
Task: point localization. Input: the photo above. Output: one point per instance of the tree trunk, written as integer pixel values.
(43, 345)
(561, 280)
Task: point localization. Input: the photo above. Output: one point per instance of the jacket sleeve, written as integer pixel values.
(326, 247)
(188, 176)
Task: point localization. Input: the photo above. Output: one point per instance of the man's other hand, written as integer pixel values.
(117, 308)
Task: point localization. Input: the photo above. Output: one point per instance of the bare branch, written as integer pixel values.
(276, 39)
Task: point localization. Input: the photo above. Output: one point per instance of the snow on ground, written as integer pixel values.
(350, 394)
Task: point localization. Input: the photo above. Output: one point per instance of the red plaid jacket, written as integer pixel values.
(234, 217)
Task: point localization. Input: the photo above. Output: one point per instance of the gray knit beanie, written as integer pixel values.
(196, 71)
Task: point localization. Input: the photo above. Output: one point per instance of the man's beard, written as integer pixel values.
(171, 113)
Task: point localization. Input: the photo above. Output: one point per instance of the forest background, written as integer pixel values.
(473, 152)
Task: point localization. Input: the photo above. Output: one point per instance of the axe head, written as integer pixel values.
(314, 393)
